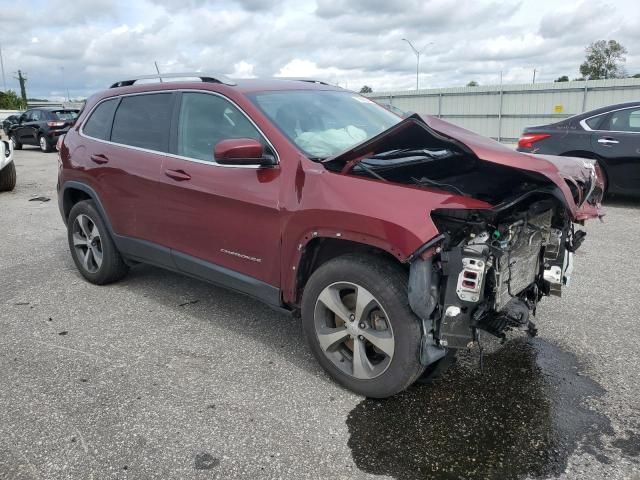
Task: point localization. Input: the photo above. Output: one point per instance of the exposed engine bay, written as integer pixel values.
(494, 267)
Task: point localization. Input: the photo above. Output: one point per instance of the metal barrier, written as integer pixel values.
(503, 111)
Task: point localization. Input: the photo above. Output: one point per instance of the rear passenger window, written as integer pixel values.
(143, 121)
(594, 122)
(99, 123)
(207, 119)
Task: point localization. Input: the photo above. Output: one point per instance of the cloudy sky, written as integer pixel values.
(84, 45)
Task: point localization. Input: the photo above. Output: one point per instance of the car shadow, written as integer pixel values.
(622, 201)
(279, 332)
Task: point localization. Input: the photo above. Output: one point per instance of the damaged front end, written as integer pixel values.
(489, 267)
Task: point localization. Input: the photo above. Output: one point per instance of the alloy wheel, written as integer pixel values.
(43, 143)
(353, 330)
(87, 243)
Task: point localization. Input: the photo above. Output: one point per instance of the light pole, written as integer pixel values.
(417, 52)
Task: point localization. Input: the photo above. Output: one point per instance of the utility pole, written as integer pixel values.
(417, 53)
(4, 80)
(534, 75)
(23, 91)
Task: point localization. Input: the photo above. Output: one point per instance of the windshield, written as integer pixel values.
(65, 114)
(323, 123)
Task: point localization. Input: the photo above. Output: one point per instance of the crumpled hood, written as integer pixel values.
(409, 133)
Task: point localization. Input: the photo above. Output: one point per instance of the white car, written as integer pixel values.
(7, 167)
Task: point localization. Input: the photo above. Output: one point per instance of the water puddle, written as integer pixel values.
(523, 416)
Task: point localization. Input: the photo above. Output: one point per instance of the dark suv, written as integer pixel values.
(395, 240)
(41, 127)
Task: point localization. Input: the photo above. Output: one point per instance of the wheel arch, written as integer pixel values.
(73, 192)
(318, 248)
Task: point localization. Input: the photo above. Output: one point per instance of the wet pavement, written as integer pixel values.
(162, 376)
(522, 415)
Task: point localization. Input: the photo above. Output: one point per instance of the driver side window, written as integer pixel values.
(207, 119)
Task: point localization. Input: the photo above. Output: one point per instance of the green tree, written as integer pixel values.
(563, 78)
(472, 83)
(604, 59)
(9, 100)
(366, 89)
(637, 75)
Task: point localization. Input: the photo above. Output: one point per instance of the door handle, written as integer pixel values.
(179, 175)
(608, 141)
(99, 159)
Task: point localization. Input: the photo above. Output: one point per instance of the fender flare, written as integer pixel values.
(73, 184)
(293, 261)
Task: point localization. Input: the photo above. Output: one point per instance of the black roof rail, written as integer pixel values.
(204, 77)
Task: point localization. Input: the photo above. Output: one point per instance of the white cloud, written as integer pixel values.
(242, 69)
(91, 43)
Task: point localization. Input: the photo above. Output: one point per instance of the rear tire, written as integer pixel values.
(380, 300)
(45, 144)
(8, 177)
(16, 144)
(92, 247)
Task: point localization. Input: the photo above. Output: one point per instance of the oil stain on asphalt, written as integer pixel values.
(522, 416)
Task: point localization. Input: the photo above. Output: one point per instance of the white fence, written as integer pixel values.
(502, 112)
(6, 113)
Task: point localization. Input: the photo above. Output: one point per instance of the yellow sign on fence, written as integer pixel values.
(558, 108)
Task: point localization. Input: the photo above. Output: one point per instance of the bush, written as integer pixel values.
(9, 100)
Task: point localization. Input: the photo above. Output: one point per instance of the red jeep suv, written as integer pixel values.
(395, 240)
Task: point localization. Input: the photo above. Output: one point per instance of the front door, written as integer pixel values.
(217, 217)
(27, 130)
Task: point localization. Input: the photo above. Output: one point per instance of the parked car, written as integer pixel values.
(8, 122)
(7, 167)
(41, 127)
(610, 135)
(395, 240)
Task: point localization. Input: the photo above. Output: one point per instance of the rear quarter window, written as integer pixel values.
(99, 123)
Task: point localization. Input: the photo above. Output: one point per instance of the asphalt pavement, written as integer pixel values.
(162, 376)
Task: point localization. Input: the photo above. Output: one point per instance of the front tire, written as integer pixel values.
(92, 247)
(16, 144)
(8, 177)
(359, 326)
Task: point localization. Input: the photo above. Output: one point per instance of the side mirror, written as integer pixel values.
(242, 151)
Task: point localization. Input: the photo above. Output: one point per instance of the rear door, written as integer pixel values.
(224, 216)
(131, 137)
(617, 142)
